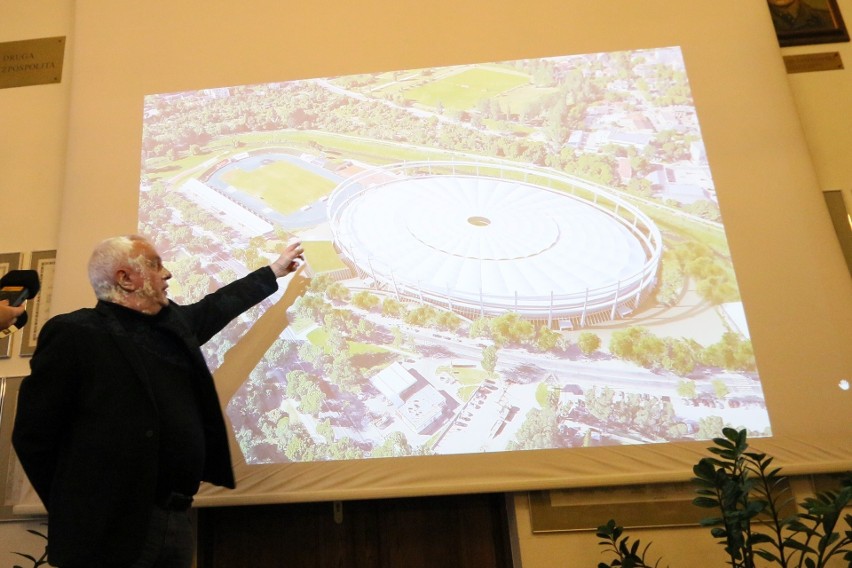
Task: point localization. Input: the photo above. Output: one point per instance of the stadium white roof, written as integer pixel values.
(469, 238)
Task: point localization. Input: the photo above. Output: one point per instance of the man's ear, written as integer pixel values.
(124, 280)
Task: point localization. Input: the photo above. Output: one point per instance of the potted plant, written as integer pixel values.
(750, 497)
(36, 562)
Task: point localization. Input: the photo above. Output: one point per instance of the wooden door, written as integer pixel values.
(465, 531)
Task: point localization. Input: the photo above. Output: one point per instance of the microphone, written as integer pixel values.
(17, 286)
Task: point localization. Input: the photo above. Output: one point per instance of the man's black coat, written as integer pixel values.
(87, 429)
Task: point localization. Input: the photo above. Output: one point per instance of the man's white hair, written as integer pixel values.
(106, 259)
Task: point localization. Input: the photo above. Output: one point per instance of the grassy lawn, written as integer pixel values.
(319, 337)
(322, 256)
(520, 98)
(465, 375)
(469, 377)
(375, 151)
(284, 187)
(464, 90)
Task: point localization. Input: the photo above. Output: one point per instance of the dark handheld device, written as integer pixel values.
(19, 285)
(15, 294)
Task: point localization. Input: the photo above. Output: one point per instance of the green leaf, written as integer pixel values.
(760, 538)
(704, 469)
(766, 555)
(796, 545)
(705, 502)
(717, 463)
(758, 457)
(755, 507)
(722, 443)
(730, 433)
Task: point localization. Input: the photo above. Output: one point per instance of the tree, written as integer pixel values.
(680, 355)
(320, 283)
(710, 427)
(720, 388)
(731, 352)
(539, 431)
(547, 339)
(421, 316)
(344, 374)
(448, 321)
(312, 400)
(392, 307)
(637, 344)
(296, 383)
(325, 430)
(687, 389)
(337, 291)
(312, 307)
(511, 328)
(600, 405)
(395, 445)
(588, 342)
(489, 359)
(480, 327)
(365, 300)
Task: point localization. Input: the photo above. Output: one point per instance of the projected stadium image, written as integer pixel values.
(505, 256)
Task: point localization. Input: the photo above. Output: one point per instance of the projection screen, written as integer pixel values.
(505, 256)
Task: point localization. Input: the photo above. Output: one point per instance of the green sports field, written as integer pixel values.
(283, 186)
(464, 90)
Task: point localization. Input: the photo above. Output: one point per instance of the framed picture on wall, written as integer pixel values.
(43, 262)
(803, 22)
(13, 481)
(8, 261)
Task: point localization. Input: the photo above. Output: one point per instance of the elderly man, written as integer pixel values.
(119, 420)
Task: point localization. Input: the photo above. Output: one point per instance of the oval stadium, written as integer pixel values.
(483, 240)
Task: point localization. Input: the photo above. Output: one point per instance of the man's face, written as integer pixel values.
(148, 278)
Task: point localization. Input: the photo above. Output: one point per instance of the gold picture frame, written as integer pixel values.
(632, 506)
(44, 263)
(13, 481)
(804, 22)
(648, 505)
(8, 261)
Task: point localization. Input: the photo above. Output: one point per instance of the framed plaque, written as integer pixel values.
(8, 261)
(44, 263)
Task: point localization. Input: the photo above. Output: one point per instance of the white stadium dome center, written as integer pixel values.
(481, 239)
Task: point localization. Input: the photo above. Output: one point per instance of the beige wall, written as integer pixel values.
(823, 99)
(33, 123)
(33, 137)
